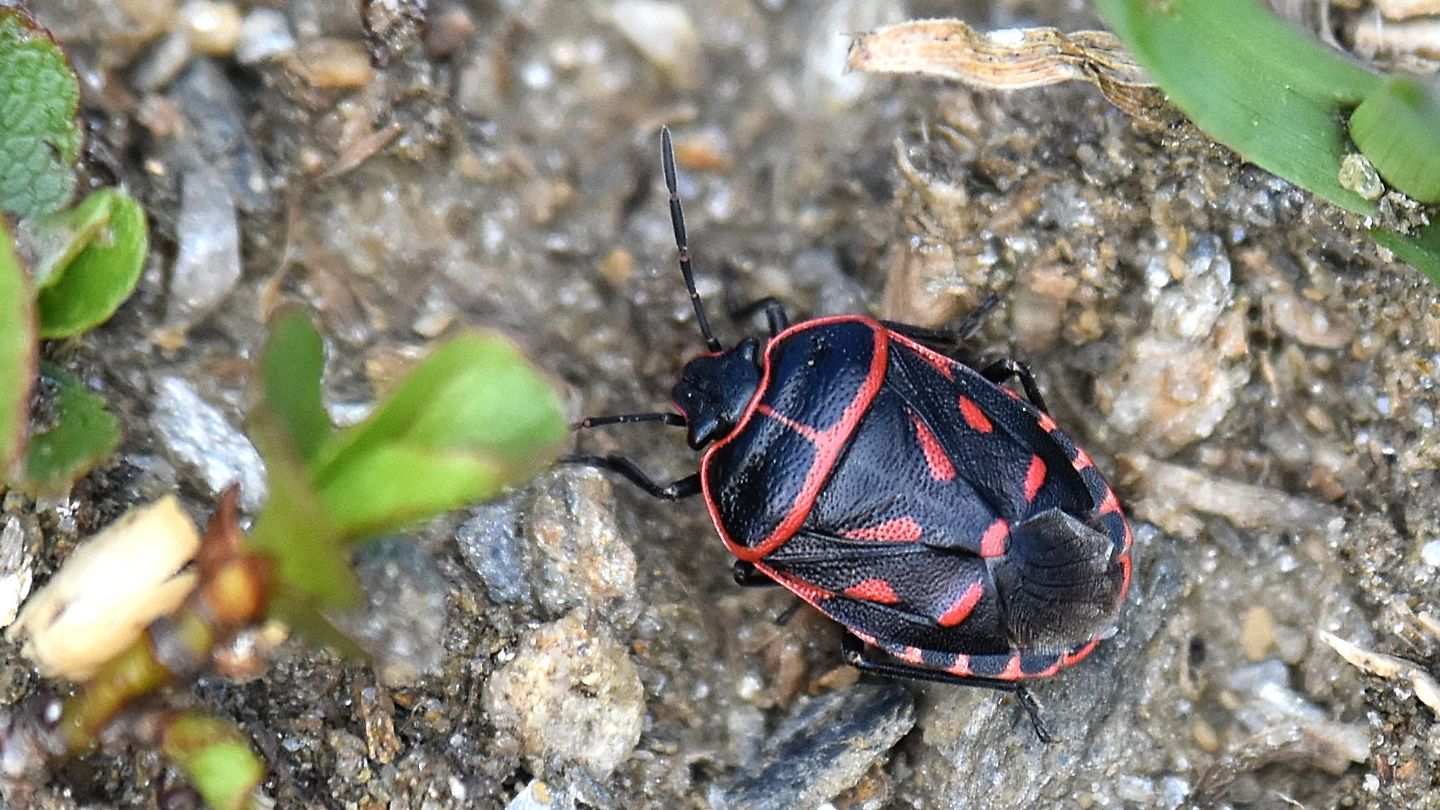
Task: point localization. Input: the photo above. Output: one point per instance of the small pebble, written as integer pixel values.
(1257, 633)
(199, 438)
(264, 34)
(1430, 553)
(333, 64)
(664, 34)
(213, 28)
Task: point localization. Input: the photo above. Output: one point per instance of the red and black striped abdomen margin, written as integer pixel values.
(761, 480)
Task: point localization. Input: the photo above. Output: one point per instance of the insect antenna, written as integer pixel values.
(677, 221)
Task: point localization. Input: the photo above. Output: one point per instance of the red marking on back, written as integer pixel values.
(873, 590)
(829, 443)
(1124, 574)
(1110, 504)
(993, 541)
(1034, 478)
(894, 530)
(960, 609)
(1078, 655)
(1082, 459)
(941, 363)
(814, 594)
(811, 434)
(1012, 671)
(940, 467)
(961, 666)
(1046, 423)
(974, 417)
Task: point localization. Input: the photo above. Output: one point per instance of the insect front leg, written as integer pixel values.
(686, 487)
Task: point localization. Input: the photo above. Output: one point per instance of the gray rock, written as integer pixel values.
(571, 693)
(822, 750)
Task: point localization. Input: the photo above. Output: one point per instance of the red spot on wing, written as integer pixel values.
(1078, 655)
(993, 541)
(1034, 478)
(974, 417)
(895, 530)
(1012, 671)
(961, 667)
(873, 590)
(940, 467)
(1046, 423)
(1110, 503)
(912, 655)
(814, 594)
(960, 609)
(1046, 672)
(1082, 459)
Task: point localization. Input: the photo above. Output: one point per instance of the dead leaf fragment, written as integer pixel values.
(1389, 667)
(1010, 59)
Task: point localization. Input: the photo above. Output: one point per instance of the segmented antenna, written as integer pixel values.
(677, 221)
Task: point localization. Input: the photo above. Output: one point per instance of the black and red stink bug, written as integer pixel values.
(946, 522)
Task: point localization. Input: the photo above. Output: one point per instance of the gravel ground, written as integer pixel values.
(1258, 380)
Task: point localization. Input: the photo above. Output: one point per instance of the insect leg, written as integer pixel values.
(775, 316)
(1002, 370)
(747, 576)
(949, 340)
(683, 488)
(854, 652)
(671, 419)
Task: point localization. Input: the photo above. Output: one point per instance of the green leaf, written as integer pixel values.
(1421, 251)
(472, 419)
(1398, 128)
(215, 756)
(80, 435)
(290, 373)
(1252, 83)
(91, 287)
(52, 241)
(17, 352)
(39, 135)
(294, 528)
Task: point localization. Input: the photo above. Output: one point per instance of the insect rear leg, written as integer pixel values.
(855, 655)
(948, 341)
(686, 487)
(1006, 368)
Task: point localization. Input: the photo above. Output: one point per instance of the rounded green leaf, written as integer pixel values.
(472, 419)
(1398, 128)
(92, 286)
(17, 352)
(39, 135)
(215, 756)
(79, 434)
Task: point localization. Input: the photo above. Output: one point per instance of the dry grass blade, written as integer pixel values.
(1011, 59)
(1390, 668)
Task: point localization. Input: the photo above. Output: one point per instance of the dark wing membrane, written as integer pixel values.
(909, 594)
(1000, 463)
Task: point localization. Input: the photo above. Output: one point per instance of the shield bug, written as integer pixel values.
(944, 520)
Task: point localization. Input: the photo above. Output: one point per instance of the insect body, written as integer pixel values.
(944, 521)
